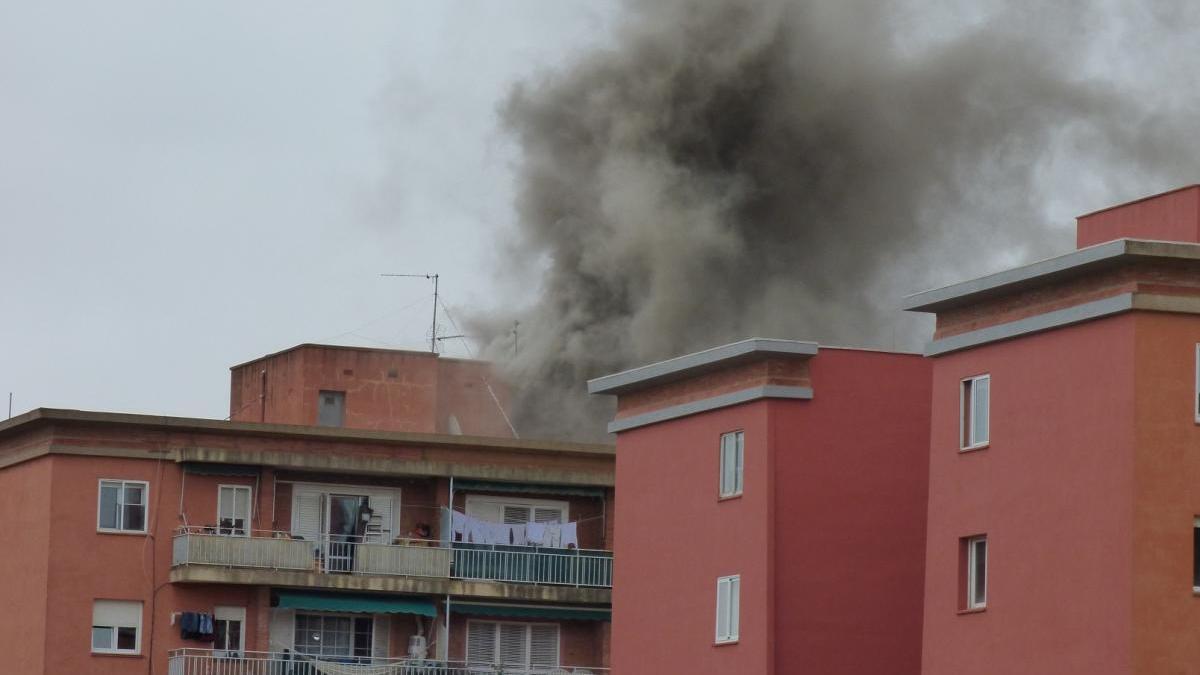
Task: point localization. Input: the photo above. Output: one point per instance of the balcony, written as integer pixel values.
(207, 662)
(341, 555)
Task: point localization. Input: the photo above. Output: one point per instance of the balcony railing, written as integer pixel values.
(332, 554)
(208, 662)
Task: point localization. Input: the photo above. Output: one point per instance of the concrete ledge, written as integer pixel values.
(697, 362)
(209, 574)
(711, 403)
(1033, 324)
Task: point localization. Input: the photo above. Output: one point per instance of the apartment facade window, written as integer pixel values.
(516, 511)
(229, 625)
(1196, 555)
(116, 627)
(122, 506)
(976, 572)
(523, 646)
(334, 636)
(732, 454)
(331, 408)
(974, 402)
(233, 510)
(728, 608)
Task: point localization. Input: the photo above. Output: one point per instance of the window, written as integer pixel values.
(228, 626)
(976, 573)
(116, 627)
(728, 608)
(731, 463)
(345, 637)
(973, 411)
(516, 511)
(233, 509)
(1196, 555)
(1196, 399)
(524, 645)
(122, 506)
(331, 407)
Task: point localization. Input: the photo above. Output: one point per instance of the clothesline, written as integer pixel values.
(579, 521)
(479, 531)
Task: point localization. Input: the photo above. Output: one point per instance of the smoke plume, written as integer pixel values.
(730, 168)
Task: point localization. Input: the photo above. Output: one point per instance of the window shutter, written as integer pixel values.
(117, 613)
(543, 645)
(379, 529)
(514, 644)
(380, 645)
(547, 515)
(481, 642)
(489, 511)
(306, 514)
(516, 515)
(282, 627)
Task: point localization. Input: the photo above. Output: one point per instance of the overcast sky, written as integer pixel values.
(185, 186)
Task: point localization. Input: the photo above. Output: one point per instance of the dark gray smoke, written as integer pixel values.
(792, 169)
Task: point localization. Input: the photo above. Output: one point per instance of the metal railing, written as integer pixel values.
(335, 554)
(532, 565)
(210, 662)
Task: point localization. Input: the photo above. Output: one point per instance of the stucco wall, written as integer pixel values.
(25, 531)
(1053, 494)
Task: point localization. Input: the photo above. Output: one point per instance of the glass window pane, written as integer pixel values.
(739, 469)
(102, 638)
(110, 512)
(979, 561)
(127, 638)
(1196, 555)
(722, 609)
(734, 605)
(135, 517)
(234, 635)
(133, 494)
(362, 636)
(980, 412)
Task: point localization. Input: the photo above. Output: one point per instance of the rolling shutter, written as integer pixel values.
(481, 642)
(379, 528)
(516, 515)
(543, 645)
(282, 635)
(380, 645)
(547, 515)
(514, 645)
(306, 514)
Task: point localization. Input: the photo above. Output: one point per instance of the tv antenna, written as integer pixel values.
(433, 339)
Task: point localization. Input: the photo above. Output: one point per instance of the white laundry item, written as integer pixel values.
(479, 531)
(535, 534)
(553, 535)
(570, 535)
(498, 533)
(458, 524)
(519, 537)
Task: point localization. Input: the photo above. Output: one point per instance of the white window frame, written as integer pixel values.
(475, 501)
(738, 439)
(231, 614)
(339, 615)
(731, 612)
(121, 505)
(1196, 393)
(1195, 563)
(967, 429)
(972, 601)
(137, 627)
(528, 628)
(249, 508)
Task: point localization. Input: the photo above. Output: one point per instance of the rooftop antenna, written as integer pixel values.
(433, 339)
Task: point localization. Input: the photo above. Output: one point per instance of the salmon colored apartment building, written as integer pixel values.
(1022, 499)
(363, 511)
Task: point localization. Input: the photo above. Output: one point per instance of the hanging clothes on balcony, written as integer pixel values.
(535, 534)
(570, 535)
(553, 536)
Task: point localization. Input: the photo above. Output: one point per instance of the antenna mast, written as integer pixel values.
(433, 339)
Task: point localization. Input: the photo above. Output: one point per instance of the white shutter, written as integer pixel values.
(722, 609)
(282, 629)
(514, 644)
(481, 642)
(380, 645)
(547, 515)
(306, 514)
(123, 613)
(379, 529)
(515, 515)
(485, 510)
(543, 645)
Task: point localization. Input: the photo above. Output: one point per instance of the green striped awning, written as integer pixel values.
(350, 602)
(532, 611)
(528, 488)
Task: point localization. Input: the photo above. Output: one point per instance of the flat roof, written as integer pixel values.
(698, 362)
(1076, 263)
(352, 348)
(41, 416)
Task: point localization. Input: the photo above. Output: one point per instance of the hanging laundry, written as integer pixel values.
(518, 534)
(553, 535)
(497, 534)
(189, 625)
(478, 531)
(458, 524)
(570, 536)
(535, 534)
